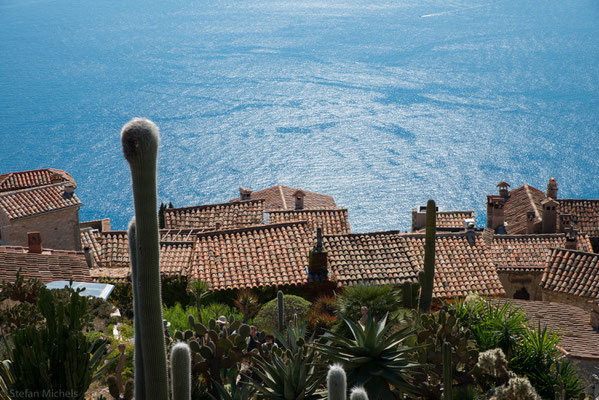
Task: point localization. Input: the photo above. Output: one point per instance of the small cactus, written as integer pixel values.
(447, 372)
(358, 393)
(181, 371)
(516, 389)
(281, 310)
(336, 383)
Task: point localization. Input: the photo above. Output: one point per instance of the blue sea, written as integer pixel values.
(380, 103)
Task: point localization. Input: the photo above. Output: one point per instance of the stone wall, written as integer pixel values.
(586, 303)
(514, 281)
(58, 229)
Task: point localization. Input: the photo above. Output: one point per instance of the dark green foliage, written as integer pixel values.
(380, 300)
(19, 315)
(267, 318)
(215, 349)
(247, 303)
(178, 316)
(410, 292)
(174, 290)
(161, 223)
(121, 297)
(435, 330)
(236, 390)
(200, 292)
(322, 315)
(290, 373)
(57, 356)
(374, 357)
(23, 290)
(426, 277)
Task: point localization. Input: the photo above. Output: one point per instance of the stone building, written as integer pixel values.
(41, 201)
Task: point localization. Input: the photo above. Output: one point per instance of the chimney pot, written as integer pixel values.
(244, 194)
(34, 241)
(552, 188)
(89, 259)
(549, 215)
(318, 258)
(299, 199)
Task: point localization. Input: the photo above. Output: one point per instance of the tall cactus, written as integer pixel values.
(406, 292)
(181, 372)
(358, 393)
(281, 310)
(139, 387)
(140, 139)
(336, 383)
(447, 372)
(427, 276)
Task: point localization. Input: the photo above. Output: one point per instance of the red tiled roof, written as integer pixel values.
(332, 221)
(572, 272)
(90, 238)
(281, 197)
(460, 267)
(49, 266)
(230, 215)
(34, 178)
(266, 255)
(38, 200)
(529, 250)
(584, 212)
(377, 258)
(522, 200)
(453, 219)
(579, 339)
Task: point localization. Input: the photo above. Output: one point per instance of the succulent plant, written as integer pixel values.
(426, 277)
(358, 393)
(281, 310)
(447, 372)
(336, 383)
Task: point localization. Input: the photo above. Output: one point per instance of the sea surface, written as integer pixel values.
(380, 103)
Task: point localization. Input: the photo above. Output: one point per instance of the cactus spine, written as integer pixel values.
(427, 276)
(358, 393)
(281, 310)
(140, 139)
(336, 383)
(181, 371)
(447, 372)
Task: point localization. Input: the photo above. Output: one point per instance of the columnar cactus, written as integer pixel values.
(406, 292)
(358, 393)
(447, 372)
(140, 139)
(427, 276)
(181, 372)
(336, 383)
(281, 310)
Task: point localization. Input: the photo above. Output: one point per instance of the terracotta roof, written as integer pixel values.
(229, 215)
(179, 235)
(281, 197)
(111, 252)
(529, 250)
(332, 221)
(584, 212)
(522, 200)
(265, 255)
(28, 202)
(377, 258)
(460, 267)
(453, 219)
(572, 272)
(580, 340)
(34, 178)
(118, 274)
(49, 266)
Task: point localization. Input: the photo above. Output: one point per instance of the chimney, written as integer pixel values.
(471, 234)
(34, 240)
(89, 258)
(468, 222)
(549, 215)
(244, 194)
(217, 225)
(595, 315)
(317, 261)
(552, 188)
(105, 225)
(68, 190)
(299, 199)
(571, 239)
(495, 216)
(504, 189)
(530, 221)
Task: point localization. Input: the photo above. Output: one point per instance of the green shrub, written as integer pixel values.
(178, 316)
(380, 300)
(267, 318)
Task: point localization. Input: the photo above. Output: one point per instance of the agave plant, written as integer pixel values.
(247, 303)
(374, 357)
(288, 375)
(234, 390)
